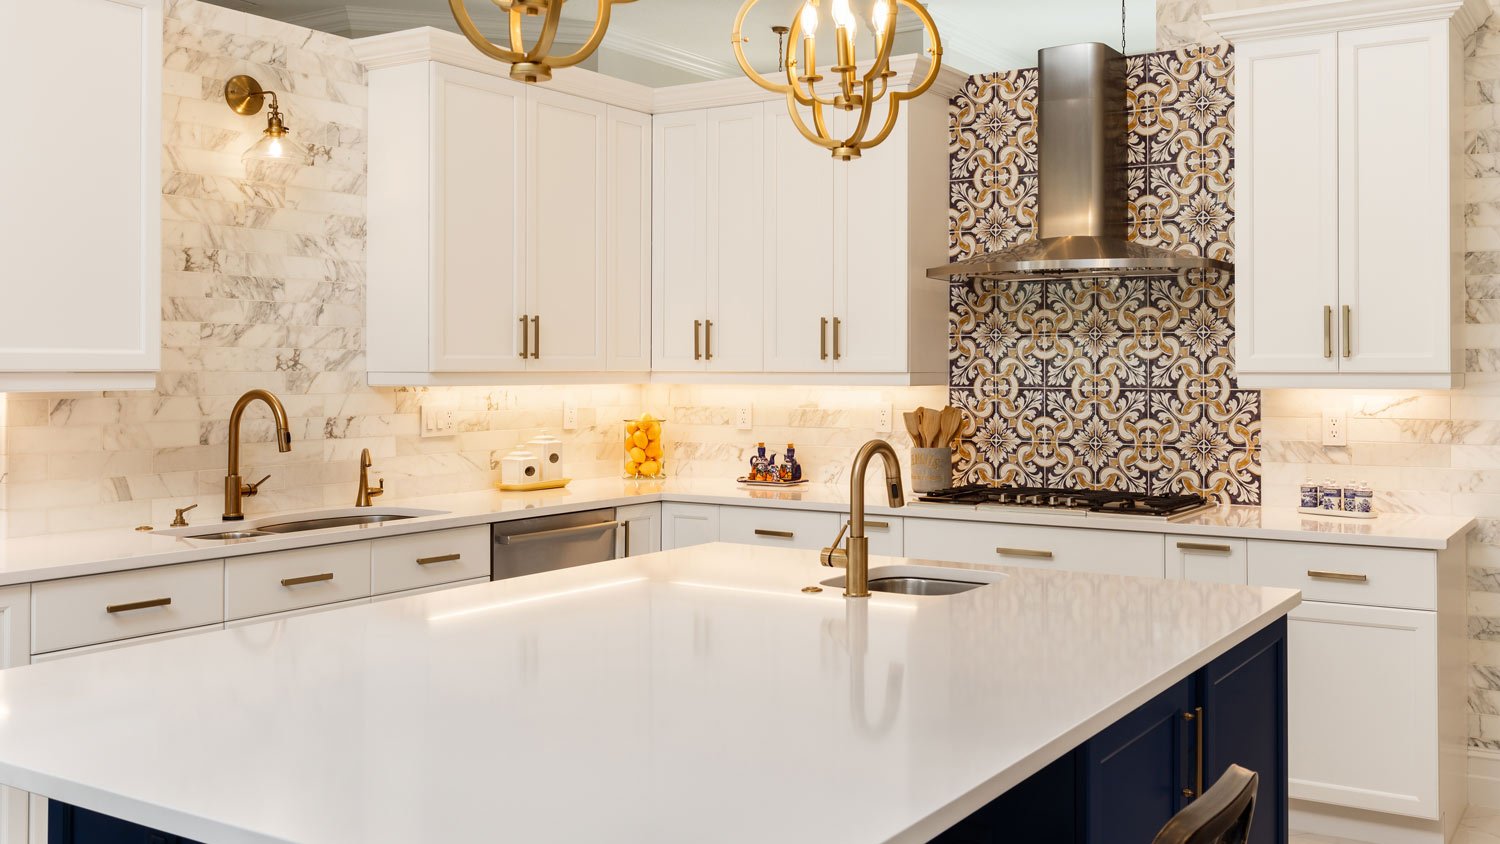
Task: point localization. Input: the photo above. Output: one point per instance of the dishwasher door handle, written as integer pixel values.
(556, 532)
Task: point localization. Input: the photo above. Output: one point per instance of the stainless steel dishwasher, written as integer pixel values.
(529, 546)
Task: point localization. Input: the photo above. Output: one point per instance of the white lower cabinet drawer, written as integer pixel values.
(391, 596)
(1065, 549)
(246, 622)
(124, 643)
(1348, 574)
(123, 605)
(1207, 559)
(887, 535)
(263, 584)
(429, 559)
(806, 529)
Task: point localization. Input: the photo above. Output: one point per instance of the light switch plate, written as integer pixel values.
(439, 422)
(883, 420)
(742, 417)
(1335, 427)
(570, 416)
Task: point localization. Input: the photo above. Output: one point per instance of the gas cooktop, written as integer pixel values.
(1080, 500)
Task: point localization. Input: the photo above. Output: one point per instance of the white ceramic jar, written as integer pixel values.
(548, 450)
(520, 467)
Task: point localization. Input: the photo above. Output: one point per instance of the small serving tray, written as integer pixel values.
(533, 487)
(748, 482)
(1342, 514)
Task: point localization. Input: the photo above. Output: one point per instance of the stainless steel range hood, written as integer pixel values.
(1081, 209)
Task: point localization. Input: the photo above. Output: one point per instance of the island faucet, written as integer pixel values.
(234, 486)
(367, 492)
(856, 559)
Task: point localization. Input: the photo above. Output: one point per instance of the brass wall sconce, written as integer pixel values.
(245, 96)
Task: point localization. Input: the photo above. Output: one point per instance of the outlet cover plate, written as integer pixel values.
(883, 420)
(439, 422)
(742, 417)
(570, 416)
(1335, 428)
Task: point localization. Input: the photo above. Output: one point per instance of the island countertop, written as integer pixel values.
(690, 695)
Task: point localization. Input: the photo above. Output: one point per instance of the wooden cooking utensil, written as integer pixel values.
(913, 427)
(951, 419)
(931, 427)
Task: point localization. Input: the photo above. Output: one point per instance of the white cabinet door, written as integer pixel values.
(1135, 554)
(1208, 559)
(806, 529)
(479, 163)
(1394, 259)
(800, 247)
(733, 334)
(679, 282)
(642, 529)
(1286, 202)
(73, 67)
(688, 524)
(566, 231)
(628, 254)
(15, 649)
(871, 296)
(1362, 707)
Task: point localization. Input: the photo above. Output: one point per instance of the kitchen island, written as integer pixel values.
(691, 695)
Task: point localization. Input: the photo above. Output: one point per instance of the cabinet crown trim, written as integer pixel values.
(1327, 16)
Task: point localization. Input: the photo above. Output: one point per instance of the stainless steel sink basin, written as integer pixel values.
(921, 586)
(337, 521)
(230, 535)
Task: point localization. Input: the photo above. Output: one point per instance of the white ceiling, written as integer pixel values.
(667, 42)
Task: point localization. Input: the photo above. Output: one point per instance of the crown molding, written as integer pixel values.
(1325, 16)
(909, 69)
(644, 47)
(427, 44)
(973, 48)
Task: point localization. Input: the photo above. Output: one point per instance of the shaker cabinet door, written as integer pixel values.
(679, 241)
(800, 249)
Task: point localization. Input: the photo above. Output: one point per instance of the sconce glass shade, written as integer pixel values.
(277, 148)
(246, 96)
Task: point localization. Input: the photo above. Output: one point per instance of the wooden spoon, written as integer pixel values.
(952, 419)
(913, 427)
(931, 427)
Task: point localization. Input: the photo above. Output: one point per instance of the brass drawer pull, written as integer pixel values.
(1024, 552)
(446, 558)
(880, 525)
(836, 323)
(1344, 577)
(778, 534)
(1204, 546)
(1348, 331)
(311, 578)
(525, 337)
(536, 337)
(139, 605)
(697, 339)
(1327, 331)
(708, 339)
(823, 338)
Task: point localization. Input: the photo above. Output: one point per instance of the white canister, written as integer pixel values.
(520, 467)
(548, 450)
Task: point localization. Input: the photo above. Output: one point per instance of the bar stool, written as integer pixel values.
(1221, 816)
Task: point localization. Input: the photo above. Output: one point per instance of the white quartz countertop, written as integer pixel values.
(53, 556)
(693, 695)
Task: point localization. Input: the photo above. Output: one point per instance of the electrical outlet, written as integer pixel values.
(439, 422)
(570, 416)
(883, 420)
(1335, 427)
(742, 417)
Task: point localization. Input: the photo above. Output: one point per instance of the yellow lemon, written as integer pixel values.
(650, 468)
(653, 430)
(638, 455)
(631, 428)
(647, 419)
(632, 468)
(653, 450)
(640, 439)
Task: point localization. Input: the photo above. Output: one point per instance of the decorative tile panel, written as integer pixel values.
(1113, 383)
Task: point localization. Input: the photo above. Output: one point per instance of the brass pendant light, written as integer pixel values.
(532, 64)
(856, 92)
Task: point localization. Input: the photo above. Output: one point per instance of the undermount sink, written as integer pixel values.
(927, 581)
(269, 526)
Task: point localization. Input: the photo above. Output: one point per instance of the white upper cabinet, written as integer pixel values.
(679, 234)
(86, 75)
(509, 225)
(801, 251)
(1350, 237)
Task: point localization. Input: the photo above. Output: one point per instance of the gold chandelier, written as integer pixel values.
(532, 65)
(856, 92)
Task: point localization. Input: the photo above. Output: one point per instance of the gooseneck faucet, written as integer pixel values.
(367, 492)
(856, 559)
(234, 486)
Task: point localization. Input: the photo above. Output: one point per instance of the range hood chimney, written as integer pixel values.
(1081, 209)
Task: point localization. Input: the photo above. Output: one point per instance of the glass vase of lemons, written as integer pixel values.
(644, 456)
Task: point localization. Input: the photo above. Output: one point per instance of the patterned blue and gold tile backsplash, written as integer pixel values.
(1118, 383)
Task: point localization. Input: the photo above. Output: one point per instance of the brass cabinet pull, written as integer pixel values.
(445, 558)
(1348, 331)
(881, 525)
(139, 605)
(1344, 577)
(311, 578)
(536, 337)
(1204, 546)
(1327, 331)
(823, 338)
(836, 323)
(1196, 719)
(779, 534)
(525, 336)
(697, 339)
(708, 339)
(1024, 552)
(626, 525)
